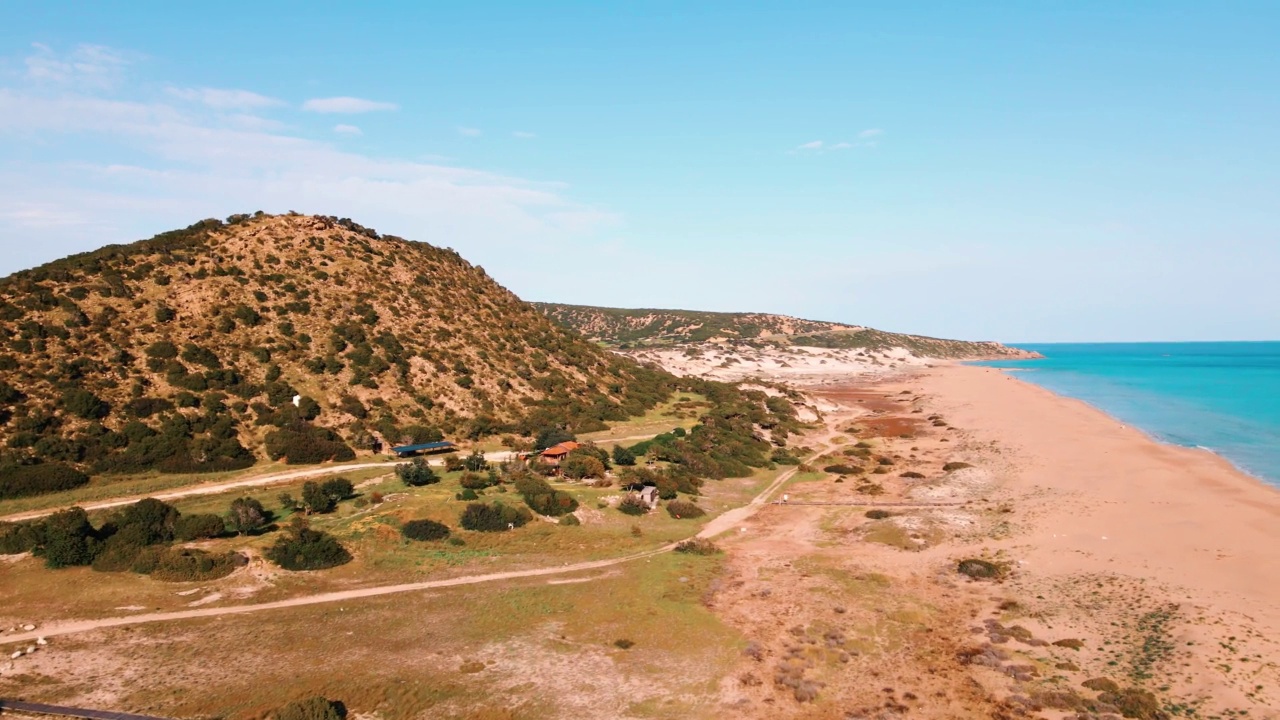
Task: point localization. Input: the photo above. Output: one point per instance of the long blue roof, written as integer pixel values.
(424, 446)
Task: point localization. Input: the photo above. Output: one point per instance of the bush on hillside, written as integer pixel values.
(307, 445)
(312, 708)
(26, 480)
(544, 499)
(697, 546)
(247, 515)
(68, 539)
(623, 456)
(842, 469)
(416, 473)
(494, 517)
(20, 537)
(301, 548)
(683, 510)
(569, 520)
(578, 466)
(956, 465)
(981, 569)
(190, 565)
(632, 505)
(475, 481)
(425, 530)
(198, 527)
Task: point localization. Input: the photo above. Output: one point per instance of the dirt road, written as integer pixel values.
(717, 526)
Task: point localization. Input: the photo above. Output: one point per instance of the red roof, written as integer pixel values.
(560, 449)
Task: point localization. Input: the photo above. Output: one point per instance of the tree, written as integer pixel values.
(493, 518)
(338, 488)
(475, 462)
(623, 456)
(312, 708)
(68, 539)
(580, 465)
(248, 516)
(425, 530)
(289, 503)
(198, 527)
(301, 548)
(544, 499)
(316, 500)
(416, 473)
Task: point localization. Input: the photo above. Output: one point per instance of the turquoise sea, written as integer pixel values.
(1222, 396)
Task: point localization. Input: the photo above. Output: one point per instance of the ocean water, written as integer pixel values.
(1222, 396)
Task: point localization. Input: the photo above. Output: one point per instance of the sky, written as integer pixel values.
(1020, 171)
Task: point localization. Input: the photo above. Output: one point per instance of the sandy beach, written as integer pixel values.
(1096, 498)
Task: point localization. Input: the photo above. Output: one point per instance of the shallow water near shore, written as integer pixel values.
(1221, 396)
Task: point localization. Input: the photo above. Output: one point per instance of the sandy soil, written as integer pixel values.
(796, 365)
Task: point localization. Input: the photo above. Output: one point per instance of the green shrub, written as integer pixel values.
(67, 539)
(313, 708)
(416, 473)
(475, 462)
(20, 537)
(307, 445)
(697, 546)
(302, 548)
(842, 469)
(579, 466)
(878, 514)
(467, 494)
(84, 404)
(953, 466)
(494, 517)
(247, 515)
(425, 530)
(684, 510)
(26, 480)
(623, 456)
(191, 565)
(198, 527)
(544, 499)
(632, 505)
(980, 569)
(912, 475)
(569, 520)
(474, 481)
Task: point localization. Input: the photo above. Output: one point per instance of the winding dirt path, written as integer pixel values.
(715, 527)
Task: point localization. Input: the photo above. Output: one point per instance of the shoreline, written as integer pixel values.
(1150, 435)
(1111, 523)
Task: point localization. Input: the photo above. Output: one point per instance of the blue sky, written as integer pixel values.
(1044, 171)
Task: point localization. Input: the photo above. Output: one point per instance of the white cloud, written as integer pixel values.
(815, 145)
(523, 135)
(870, 133)
(160, 164)
(347, 129)
(469, 132)
(842, 146)
(91, 66)
(346, 105)
(225, 99)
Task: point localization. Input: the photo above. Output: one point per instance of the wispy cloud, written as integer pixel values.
(865, 139)
(523, 135)
(161, 162)
(225, 99)
(342, 129)
(815, 145)
(870, 133)
(90, 66)
(469, 132)
(346, 105)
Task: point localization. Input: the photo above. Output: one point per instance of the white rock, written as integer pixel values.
(41, 641)
(16, 655)
(28, 627)
(31, 649)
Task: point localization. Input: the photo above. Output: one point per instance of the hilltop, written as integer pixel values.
(646, 328)
(186, 352)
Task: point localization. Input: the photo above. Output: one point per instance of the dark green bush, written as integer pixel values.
(191, 565)
(20, 537)
(26, 480)
(953, 466)
(544, 499)
(633, 505)
(416, 473)
(474, 481)
(301, 548)
(569, 520)
(425, 530)
(248, 516)
(698, 546)
(307, 445)
(878, 514)
(980, 569)
(684, 510)
(85, 404)
(579, 466)
(313, 708)
(842, 469)
(494, 517)
(623, 456)
(198, 527)
(67, 539)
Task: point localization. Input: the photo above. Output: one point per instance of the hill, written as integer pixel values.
(625, 329)
(185, 352)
